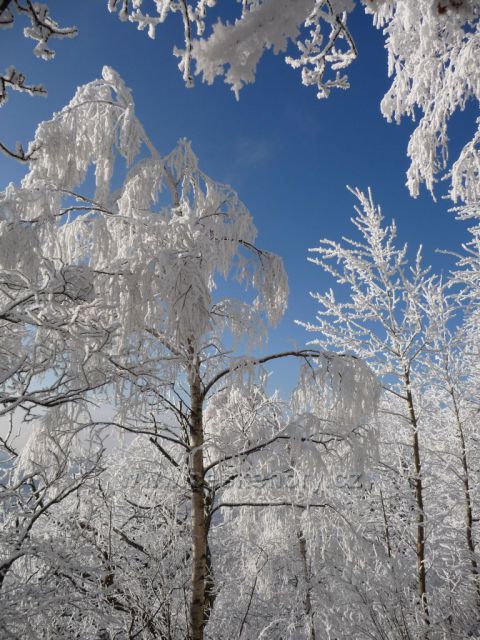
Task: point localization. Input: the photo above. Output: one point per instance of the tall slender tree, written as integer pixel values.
(384, 323)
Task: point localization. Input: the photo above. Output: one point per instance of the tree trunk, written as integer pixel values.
(468, 500)
(420, 542)
(307, 601)
(387, 528)
(210, 594)
(199, 527)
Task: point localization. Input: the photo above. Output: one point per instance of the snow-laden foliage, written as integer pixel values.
(116, 303)
(419, 510)
(42, 29)
(433, 50)
(343, 387)
(234, 49)
(383, 318)
(432, 46)
(272, 25)
(124, 555)
(151, 247)
(42, 25)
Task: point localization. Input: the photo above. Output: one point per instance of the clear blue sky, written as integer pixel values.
(287, 154)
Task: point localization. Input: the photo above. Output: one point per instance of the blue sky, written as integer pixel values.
(287, 154)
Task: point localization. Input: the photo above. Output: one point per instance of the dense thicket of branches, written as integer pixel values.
(225, 511)
(151, 485)
(114, 302)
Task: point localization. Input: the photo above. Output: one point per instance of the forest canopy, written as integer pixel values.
(155, 481)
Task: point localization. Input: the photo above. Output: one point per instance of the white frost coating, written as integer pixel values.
(19, 249)
(341, 389)
(433, 52)
(383, 318)
(271, 282)
(234, 50)
(384, 312)
(76, 282)
(54, 448)
(87, 131)
(271, 25)
(335, 400)
(42, 26)
(150, 249)
(317, 56)
(465, 173)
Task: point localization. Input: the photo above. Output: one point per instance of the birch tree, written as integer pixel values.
(382, 322)
(50, 339)
(453, 372)
(152, 248)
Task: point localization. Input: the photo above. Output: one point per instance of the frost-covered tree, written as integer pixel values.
(419, 335)
(383, 322)
(453, 372)
(61, 458)
(150, 248)
(51, 335)
(51, 329)
(432, 50)
(432, 45)
(112, 558)
(124, 541)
